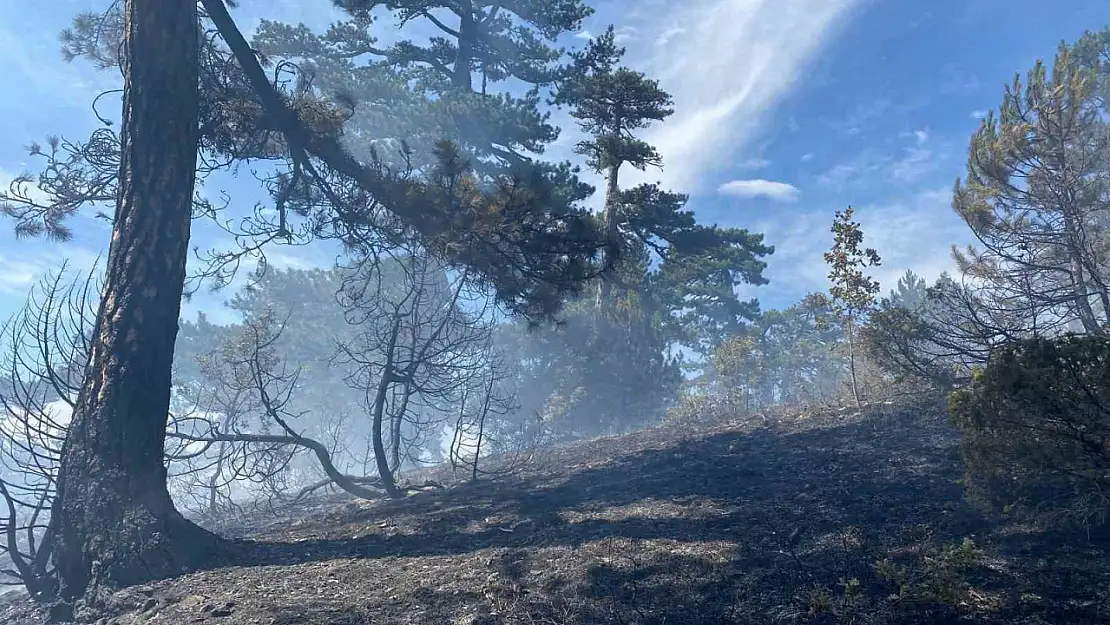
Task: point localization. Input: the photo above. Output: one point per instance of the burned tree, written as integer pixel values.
(115, 523)
(44, 346)
(113, 520)
(421, 345)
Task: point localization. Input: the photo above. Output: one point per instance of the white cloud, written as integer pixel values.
(726, 63)
(624, 34)
(779, 191)
(921, 135)
(808, 156)
(980, 114)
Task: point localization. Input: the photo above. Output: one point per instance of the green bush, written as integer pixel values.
(1036, 428)
(939, 578)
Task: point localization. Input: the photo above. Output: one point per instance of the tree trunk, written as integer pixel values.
(612, 192)
(464, 52)
(114, 520)
(852, 362)
(378, 412)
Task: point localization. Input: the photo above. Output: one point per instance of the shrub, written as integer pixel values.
(939, 578)
(1036, 428)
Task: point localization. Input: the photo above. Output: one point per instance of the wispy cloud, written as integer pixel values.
(726, 62)
(668, 34)
(980, 114)
(624, 34)
(20, 269)
(855, 121)
(317, 15)
(871, 167)
(752, 164)
(779, 191)
(914, 164)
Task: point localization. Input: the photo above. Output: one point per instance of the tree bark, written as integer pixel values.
(852, 362)
(464, 53)
(378, 410)
(115, 523)
(612, 198)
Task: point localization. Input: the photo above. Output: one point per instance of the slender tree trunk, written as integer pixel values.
(380, 457)
(481, 429)
(114, 520)
(1080, 286)
(397, 425)
(852, 362)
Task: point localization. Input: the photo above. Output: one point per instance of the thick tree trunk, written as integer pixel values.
(464, 52)
(114, 520)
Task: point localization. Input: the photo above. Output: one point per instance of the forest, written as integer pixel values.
(518, 398)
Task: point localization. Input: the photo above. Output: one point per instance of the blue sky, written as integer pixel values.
(786, 110)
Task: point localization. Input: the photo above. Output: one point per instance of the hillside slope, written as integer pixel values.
(742, 523)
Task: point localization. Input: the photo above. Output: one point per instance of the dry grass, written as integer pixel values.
(778, 521)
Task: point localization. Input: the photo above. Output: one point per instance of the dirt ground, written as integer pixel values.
(761, 522)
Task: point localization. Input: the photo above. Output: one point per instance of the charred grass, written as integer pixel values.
(838, 517)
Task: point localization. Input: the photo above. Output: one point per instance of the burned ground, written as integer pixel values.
(762, 522)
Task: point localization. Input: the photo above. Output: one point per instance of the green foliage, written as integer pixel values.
(911, 292)
(611, 102)
(940, 577)
(852, 291)
(420, 93)
(1036, 200)
(603, 370)
(1036, 425)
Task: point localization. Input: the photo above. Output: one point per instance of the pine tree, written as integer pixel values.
(1036, 200)
(447, 88)
(611, 102)
(852, 291)
(113, 522)
(910, 292)
(683, 271)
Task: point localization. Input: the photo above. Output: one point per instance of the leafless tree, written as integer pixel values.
(43, 349)
(422, 346)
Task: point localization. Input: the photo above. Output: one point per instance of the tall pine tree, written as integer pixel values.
(684, 273)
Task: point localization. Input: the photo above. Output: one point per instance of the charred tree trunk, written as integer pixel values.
(378, 410)
(114, 521)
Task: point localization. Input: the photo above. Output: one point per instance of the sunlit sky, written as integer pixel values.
(786, 110)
